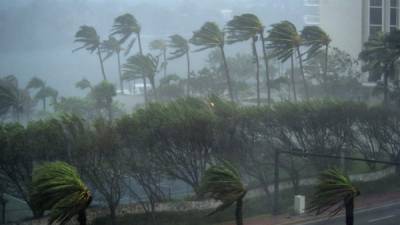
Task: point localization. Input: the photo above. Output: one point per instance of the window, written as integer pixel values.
(311, 20)
(375, 16)
(394, 15)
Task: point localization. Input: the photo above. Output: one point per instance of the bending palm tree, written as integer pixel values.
(285, 42)
(87, 35)
(161, 46)
(144, 65)
(13, 99)
(380, 53)
(126, 26)
(244, 28)
(181, 48)
(57, 187)
(334, 192)
(316, 38)
(210, 36)
(111, 47)
(223, 183)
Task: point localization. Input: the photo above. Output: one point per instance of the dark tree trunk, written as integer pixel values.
(302, 73)
(292, 78)
(385, 88)
(239, 211)
(82, 217)
(350, 212)
(101, 64)
(227, 76)
(113, 215)
(3, 209)
(165, 62)
(143, 76)
(121, 83)
(255, 55)
(266, 66)
(188, 74)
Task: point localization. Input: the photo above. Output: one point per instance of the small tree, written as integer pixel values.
(223, 183)
(57, 187)
(333, 193)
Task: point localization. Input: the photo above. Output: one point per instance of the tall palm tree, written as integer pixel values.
(161, 46)
(246, 27)
(57, 187)
(143, 65)
(210, 36)
(285, 42)
(126, 26)
(44, 93)
(35, 83)
(380, 53)
(315, 38)
(180, 48)
(12, 99)
(333, 193)
(110, 47)
(223, 183)
(90, 41)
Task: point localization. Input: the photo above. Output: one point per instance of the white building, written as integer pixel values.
(351, 22)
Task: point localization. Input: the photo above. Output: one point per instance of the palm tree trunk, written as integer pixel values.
(153, 86)
(113, 216)
(165, 62)
(292, 78)
(82, 217)
(255, 55)
(121, 83)
(385, 88)
(302, 72)
(266, 66)
(143, 76)
(228, 78)
(326, 66)
(101, 64)
(239, 211)
(350, 212)
(188, 74)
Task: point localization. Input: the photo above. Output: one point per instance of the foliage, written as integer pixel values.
(124, 26)
(57, 187)
(333, 192)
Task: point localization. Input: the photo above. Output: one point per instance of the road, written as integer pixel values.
(388, 214)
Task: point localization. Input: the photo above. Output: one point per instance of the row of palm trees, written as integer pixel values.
(17, 101)
(58, 187)
(282, 42)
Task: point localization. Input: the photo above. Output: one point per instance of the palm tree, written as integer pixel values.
(285, 42)
(181, 47)
(125, 26)
(334, 192)
(380, 53)
(83, 84)
(57, 187)
(315, 38)
(90, 41)
(246, 27)
(110, 47)
(161, 46)
(143, 65)
(223, 183)
(35, 83)
(210, 36)
(12, 99)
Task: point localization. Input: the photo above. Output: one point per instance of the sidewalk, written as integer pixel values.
(361, 203)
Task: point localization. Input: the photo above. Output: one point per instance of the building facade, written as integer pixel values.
(351, 22)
